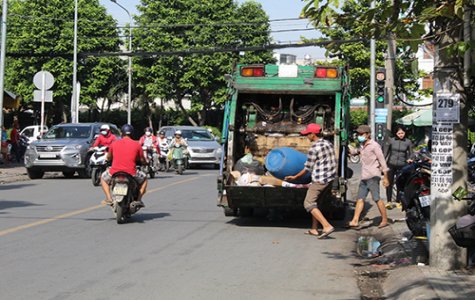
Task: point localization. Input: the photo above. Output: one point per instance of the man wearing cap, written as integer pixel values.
(321, 162)
(372, 164)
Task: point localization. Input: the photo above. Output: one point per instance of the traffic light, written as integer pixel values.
(380, 88)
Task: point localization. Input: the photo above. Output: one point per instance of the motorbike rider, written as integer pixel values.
(124, 154)
(162, 140)
(106, 138)
(149, 140)
(178, 140)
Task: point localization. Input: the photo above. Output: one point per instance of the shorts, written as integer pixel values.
(369, 185)
(313, 192)
(139, 177)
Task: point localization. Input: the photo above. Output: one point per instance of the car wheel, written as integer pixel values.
(68, 174)
(32, 174)
(86, 172)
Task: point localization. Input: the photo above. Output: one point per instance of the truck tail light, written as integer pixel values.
(326, 72)
(252, 71)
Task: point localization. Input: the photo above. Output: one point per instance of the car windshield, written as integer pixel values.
(68, 132)
(197, 135)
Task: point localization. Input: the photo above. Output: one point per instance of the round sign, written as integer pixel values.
(47, 77)
(380, 76)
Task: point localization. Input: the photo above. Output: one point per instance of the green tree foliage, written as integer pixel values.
(196, 25)
(40, 37)
(357, 55)
(411, 22)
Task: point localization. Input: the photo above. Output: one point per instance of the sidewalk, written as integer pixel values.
(12, 172)
(399, 274)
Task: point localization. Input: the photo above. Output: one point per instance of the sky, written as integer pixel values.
(275, 9)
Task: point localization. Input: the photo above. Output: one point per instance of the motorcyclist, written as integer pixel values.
(162, 140)
(149, 141)
(124, 154)
(178, 139)
(106, 138)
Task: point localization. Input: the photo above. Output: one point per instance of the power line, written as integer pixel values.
(187, 51)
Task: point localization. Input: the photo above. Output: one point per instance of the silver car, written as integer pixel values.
(63, 148)
(202, 145)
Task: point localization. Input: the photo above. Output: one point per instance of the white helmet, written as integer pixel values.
(178, 132)
(105, 127)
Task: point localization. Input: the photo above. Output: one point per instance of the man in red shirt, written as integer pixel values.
(124, 154)
(106, 138)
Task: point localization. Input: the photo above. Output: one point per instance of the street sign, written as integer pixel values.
(37, 96)
(47, 77)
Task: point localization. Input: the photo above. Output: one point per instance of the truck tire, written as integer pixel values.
(230, 212)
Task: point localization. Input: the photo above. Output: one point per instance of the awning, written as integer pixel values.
(10, 100)
(419, 118)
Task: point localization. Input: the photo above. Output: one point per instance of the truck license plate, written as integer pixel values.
(120, 190)
(424, 200)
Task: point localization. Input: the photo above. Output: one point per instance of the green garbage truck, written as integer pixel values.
(269, 105)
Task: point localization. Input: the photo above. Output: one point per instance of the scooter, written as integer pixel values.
(98, 164)
(151, 155)
(124, 192)
(463, 231)
(179, 158)
(163, 158)
(353, 154)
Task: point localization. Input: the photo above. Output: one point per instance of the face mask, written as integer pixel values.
(148, 133)
(104, 132)
(361, 138)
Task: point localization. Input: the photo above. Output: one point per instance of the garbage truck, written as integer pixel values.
(269, 105)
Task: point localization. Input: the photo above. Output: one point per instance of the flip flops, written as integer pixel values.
(308, 232)
(325, 234)
(383, 225)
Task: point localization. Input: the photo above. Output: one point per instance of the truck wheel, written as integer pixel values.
(32, 174)
(230, 212)
(246, 211)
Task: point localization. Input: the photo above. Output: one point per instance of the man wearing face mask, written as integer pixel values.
(106, 138)
(372, 164)
(149, 141)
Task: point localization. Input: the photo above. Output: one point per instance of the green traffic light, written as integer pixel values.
(380, 99)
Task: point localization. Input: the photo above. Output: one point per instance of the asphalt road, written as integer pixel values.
(58, 242)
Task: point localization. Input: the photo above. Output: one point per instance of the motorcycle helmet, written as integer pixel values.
(127, 129)
(178, 132)
(148, 131)
(105, 129)
(161, 132)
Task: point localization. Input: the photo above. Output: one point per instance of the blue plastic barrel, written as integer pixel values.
(281, 162)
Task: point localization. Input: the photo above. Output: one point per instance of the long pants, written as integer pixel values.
(393, 171)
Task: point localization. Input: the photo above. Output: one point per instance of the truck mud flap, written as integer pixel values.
(265, 197)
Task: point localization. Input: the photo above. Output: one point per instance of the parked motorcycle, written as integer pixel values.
(463, 231)
(124, 192)
(151, 155)
(413, 192)
(98, 163)
(179, 158)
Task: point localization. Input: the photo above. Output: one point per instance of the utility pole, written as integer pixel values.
(449, 156)
(372, 80)
(3, 48)
(390, 71)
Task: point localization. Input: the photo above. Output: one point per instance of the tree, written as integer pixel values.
(407, 21)
(40, 37)
(357, 55)
(198, 25)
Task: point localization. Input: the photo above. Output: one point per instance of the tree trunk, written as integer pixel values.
(449, 157)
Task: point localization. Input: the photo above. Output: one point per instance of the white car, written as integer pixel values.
(33, 132)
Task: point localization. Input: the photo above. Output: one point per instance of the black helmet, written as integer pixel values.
(148, 129)
(162, 132)
(127, 129)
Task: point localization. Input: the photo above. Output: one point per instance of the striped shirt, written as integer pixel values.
(321, 161)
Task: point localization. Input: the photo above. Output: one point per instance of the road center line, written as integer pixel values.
(80, 211)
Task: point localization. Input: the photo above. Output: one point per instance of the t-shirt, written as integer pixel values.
(105, 141)
(125, 153)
